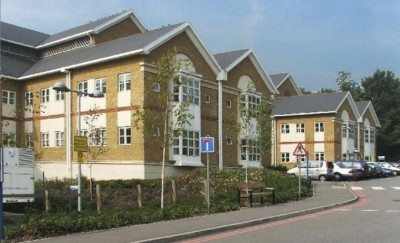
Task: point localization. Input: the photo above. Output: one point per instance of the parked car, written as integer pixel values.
(350, 170)
(319, 170)
(386, 165)
(378, 171)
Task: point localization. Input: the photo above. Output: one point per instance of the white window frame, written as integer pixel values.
(285, 157)
(229, 104)
(101, 84)
(319, 156)
(207, 98)
(186, 143)
(366, 135)
(229, 140)
(59, 139)
(44, 96)
(9, 97)
(124, 135)
(319, 127)
(250, 151)
(156, 87)
(285, 129)
(188, 91)
(300, 128)
(59, 95)
(29, 140)
(28, 98)
(124, 82)
(83, 86)
(45, 139)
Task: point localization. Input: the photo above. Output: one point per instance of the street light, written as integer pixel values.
(60, 86)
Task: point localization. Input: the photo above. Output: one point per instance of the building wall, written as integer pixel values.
(124, 28)
(285, 88)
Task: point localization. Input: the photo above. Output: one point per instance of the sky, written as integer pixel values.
(310, 39)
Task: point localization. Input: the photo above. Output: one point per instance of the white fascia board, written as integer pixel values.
(105, 59)
(193, 37)
(238, 60)
(88, 32)
(371, 109)
(294, 84)
(305, 114)
(8, 77)
(17, 43)
(352, 105)
(283, 80)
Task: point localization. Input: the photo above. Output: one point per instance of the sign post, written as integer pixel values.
(207, 146)
(300, 151)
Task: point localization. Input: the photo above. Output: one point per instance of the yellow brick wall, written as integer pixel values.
(286, 86)
(123, 28)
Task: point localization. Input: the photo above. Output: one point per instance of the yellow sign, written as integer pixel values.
(80, 144)
(80, 157)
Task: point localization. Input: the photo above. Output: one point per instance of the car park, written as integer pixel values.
(350, 170)
(378, 171)
(318, 170)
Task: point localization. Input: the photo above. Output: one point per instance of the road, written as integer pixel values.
(375, 218)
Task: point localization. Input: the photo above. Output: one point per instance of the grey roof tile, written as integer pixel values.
(103, 50)
(308, 104)
(14, 66)
(277, 79)
(361, 106)
(227, 58)
(21, 35)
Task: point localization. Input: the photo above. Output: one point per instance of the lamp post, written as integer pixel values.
(60, 86)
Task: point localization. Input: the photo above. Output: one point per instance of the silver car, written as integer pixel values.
(319, 170)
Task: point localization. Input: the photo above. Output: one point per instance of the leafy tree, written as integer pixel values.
(161, 113)
(346, 83)
(96, 139)
(254, 125)
(326, 90)
(304, 91)
(383, 89)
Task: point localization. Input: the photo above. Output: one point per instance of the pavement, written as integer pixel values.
(327, 195)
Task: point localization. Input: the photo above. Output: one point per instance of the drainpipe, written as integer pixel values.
(222, 76)
(68, 128)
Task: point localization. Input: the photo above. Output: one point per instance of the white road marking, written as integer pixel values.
(393, 211)
(355, 188)
(377, 188)
(370, 210)
(396, 187)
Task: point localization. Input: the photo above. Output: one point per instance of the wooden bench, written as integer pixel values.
(250, 190)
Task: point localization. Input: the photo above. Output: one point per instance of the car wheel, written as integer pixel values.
(338, 177)
(322, 178)
(394, 172)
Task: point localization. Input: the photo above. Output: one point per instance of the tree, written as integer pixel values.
(162, 113)
(346, 83)
(304, 91)
(255, 125)
(96, 139)
(383, 90)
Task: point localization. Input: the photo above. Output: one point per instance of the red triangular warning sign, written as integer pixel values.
(300, 150)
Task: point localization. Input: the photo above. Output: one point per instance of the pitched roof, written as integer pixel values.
(229, 60)
(14, 66)
(22, 36)
(279, 78)
(130, 45)
(363, 107)
(324, 103)
(91, 28)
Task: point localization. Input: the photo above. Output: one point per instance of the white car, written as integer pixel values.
(386, 165)
(319, 170)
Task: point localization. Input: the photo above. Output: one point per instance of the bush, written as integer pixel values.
(119, 207)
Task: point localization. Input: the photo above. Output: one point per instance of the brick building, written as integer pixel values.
(116, 55)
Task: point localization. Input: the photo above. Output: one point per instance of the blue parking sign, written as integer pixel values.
(207, 145)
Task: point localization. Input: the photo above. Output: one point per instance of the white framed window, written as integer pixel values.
(124, 134)
(98, 137)
(372, 136)
(28, 98)
(187, 91)
(59, 139)
(207, 99)
(156, 87)
(319, 127)
(59, 95)
(319, 156)
(366, 136)
(9, 97)
(300, 127)
(157, 132)
(44, 95)
(229, 104)
(249, 150)
(124, 81)
(186, 142)
(83, 86)
(285, 157)
(249, 104)
(45, 139)
(83, 133)
(100, 84)
(229, 141)
(29, 140)
(344, 156)
(285, 128)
